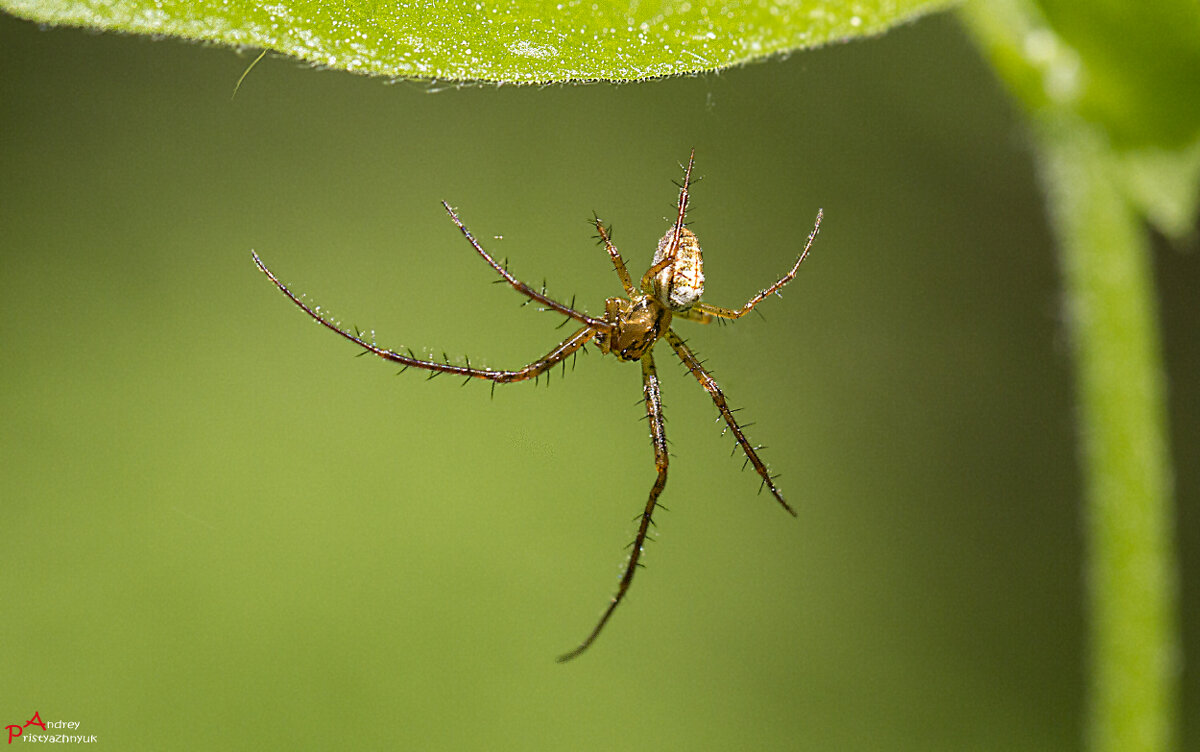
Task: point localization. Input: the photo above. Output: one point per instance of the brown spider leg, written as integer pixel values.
(537, 367)
(521, 287)
(703, 312)
(618, 262)
(718, 397)
(658, 437)
(669, 257)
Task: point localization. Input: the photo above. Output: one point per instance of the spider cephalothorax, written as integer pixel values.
(670, 288)
(636, 325)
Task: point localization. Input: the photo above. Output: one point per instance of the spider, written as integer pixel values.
(631, 326)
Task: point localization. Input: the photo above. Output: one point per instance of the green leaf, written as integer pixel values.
(504, 41)
(1141, 65)
(1164, 184)
(1130, 69)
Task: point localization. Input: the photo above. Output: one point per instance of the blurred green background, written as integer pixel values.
(223, 531)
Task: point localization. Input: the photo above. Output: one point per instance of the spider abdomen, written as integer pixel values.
(681, 283)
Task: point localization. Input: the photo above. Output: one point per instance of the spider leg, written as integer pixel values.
(536, 368)
(658, 437)
(710, 385)
(618, 262)
(520, 286)
(704, 313)
(669, 257)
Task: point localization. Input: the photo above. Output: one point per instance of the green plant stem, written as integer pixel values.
(1131, 562)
